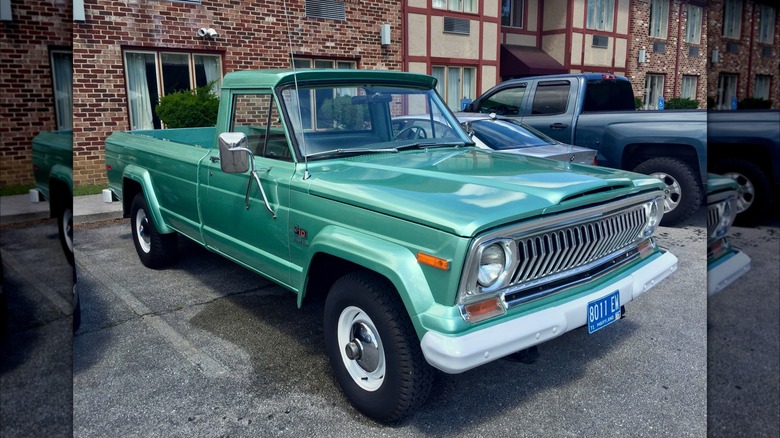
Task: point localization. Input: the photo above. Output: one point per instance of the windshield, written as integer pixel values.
(508, 134)
(348, 119)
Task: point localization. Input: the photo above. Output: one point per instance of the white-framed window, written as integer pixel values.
(600, 14)
(766, 25)
(761, 87)
(151, 74)
(512, 13)
(324, 63)
(689, 84)
(455, 84)
(62, 83)
(727, 90)
(693, 24)
(732, 18)
(654, 89)
(659, 18)
(470, 6)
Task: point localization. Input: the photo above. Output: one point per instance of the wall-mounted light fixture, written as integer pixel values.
(642, 56)
(715, 56)
(5, 10)
(207, 33)
(384, 33)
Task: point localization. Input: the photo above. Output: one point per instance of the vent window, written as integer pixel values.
(327, 9)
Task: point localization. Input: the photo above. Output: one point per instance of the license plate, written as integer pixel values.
(603, 311)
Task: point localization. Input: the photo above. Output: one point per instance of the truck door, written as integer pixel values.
(253, 233)
(552, 108)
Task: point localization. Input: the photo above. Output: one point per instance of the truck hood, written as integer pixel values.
(465, 191)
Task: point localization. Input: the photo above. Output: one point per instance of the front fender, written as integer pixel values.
(395, 262)
(142, 177)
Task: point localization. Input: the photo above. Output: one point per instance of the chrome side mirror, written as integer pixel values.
(234, 156)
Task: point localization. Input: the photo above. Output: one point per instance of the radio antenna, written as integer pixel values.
(306, 173)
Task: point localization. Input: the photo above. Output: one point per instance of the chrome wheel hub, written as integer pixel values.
(746, 192)
(672, 193)
(362, 352)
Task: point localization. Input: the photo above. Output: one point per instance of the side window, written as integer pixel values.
(256, 116)
(550, 98)
(504, 103)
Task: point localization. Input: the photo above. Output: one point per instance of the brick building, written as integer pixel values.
(128, 53)
(743, 52)
(35, 40)
(668, 54)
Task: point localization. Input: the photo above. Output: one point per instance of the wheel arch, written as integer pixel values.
(636, 153)
(136, 180)
(337, 251)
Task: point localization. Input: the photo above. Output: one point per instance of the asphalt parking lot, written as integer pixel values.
(207, 348)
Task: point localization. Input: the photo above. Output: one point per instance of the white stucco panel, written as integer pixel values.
(417, 42)
(452, 45)
(598, 56)
(555, 46)
(533, 15)
(520, 40)
(621, 52)
(578, 14)
(488, 77)
(417, 3)
(489, 41)
(555, 12)
(492, 8)
(576, 48)
(622, 16)
(418, 67)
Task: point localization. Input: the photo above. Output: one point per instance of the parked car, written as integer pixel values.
(492, 132)
(509, 135)
(725, 263)
(597, 111)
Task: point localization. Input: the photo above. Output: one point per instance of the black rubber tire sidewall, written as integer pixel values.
(162, 250)
(61, 231)
(763, 200)
(691, 193)
(398, 396)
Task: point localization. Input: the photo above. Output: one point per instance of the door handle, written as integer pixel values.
(559, 126)
(214, 159)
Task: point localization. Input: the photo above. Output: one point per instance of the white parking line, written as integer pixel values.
(205, 363)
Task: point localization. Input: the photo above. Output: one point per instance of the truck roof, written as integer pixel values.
(570, 75)
(273, 78)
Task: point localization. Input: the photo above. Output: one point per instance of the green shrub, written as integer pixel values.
(681, 103)
(637, 102)
(189, 108)
(754, 103)
(341, 113)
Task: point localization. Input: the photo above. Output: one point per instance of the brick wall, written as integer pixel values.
(748, 61)
(252, 34)
(27, 102)
(675, 61)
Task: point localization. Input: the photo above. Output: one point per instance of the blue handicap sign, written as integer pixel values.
(734, 102)
(464, 103)
(660, 103)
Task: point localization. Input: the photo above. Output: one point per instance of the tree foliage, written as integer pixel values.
(189, 108)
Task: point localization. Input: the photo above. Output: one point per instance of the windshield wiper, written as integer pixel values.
(418, 145)
(356, 151)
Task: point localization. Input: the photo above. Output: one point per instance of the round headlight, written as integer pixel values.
(491, 265)
(653, 213)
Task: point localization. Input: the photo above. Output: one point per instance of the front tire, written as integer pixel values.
(373, 349)
(155, 250)
(683, 194)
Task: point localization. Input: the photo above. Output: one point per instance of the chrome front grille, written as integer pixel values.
(556, 251)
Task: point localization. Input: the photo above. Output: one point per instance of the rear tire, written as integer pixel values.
(756, 196)
(373, 348)
(683, 193)
(155, 250)
(65, 231)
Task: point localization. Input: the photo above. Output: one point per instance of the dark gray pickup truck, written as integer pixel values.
(597, 111)
(745, 145)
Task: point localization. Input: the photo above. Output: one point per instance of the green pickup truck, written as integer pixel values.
(52, 159)
(429, 252)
